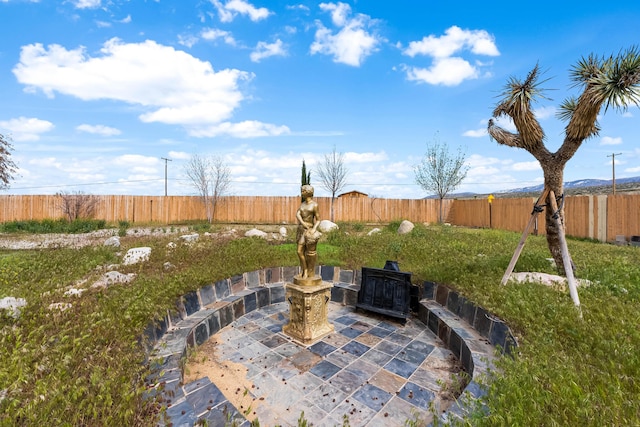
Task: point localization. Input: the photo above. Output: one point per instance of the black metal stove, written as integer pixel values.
(385, 290)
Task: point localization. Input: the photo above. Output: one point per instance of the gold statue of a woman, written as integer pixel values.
(307, 235)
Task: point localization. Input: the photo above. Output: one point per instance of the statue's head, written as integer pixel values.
(306, 190)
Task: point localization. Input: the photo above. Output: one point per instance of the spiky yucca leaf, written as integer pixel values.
(516, 103)
(618, 83)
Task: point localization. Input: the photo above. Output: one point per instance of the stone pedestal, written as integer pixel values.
(308, 309)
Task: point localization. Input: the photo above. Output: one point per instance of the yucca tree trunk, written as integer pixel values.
(553, 180)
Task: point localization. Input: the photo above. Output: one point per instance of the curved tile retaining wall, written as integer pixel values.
(469, 331)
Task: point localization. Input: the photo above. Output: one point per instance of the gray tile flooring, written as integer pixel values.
(372, 369)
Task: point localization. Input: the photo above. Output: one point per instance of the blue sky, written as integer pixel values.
(96, 92)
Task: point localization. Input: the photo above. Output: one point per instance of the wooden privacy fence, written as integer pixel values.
(601, 217)
(237, 209)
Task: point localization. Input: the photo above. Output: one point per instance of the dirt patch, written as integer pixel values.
(229, 377)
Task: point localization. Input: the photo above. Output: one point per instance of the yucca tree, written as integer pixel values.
(612, 81)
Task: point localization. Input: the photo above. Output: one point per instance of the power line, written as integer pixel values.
(85, 184)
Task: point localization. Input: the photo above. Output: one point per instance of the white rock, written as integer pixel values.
(189, 238)
(405, 227)
(62, 306)
(326, 226)
(544, 278)
(12, 305)
(74, 292)
(168, 266)
(113, 277)
(136, 255)
(171, 245)
(113, 241)
(283, 231)
(254, 232)
(374, 231)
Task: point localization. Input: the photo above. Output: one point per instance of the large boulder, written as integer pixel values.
(113, 241)
(136, 255)
(254, 232)
(405, 227)
(326, 226)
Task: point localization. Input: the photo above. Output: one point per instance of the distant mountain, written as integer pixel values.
(581, 186)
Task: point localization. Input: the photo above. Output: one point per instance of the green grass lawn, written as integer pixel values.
(84, 366)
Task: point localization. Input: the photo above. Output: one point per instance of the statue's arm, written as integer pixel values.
(316, 217)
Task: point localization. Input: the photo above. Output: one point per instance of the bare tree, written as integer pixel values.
(440, 172)
(7, 167)
(77, 205)
(211, 178)
(333, 174)
(612, 81)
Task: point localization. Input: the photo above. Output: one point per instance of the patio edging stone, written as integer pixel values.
(469, 331)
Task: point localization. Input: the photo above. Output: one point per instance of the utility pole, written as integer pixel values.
(613, 170)
(165, 174)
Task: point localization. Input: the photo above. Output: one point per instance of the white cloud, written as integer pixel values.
(479, 160)
(545, 112)
(245, 129)
(213, 34)
(187, 40)
(170, 85)
(475, 133)
(46, 162)
(607, 140)
(526, 166)
(298, 7)
(126, 20)
(86, 4)
(339, 12)
(351, 157)
(447, 69)
(444, 71)
(26, 128)
(632, 170)
(179, 155)
(98, 130)
(506, 123)
(454, 40)
(265, 50)
(482, 171)
(228, 11)
(352, 43)
(136, 160)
